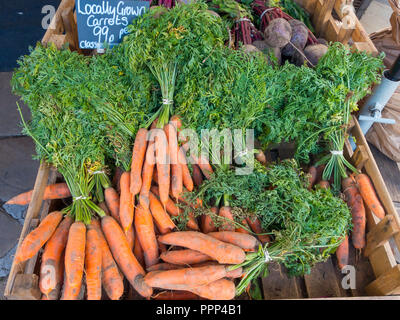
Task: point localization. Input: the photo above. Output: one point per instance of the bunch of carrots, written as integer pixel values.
(359, 193)
(133, 236)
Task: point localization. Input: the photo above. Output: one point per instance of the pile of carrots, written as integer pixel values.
(137, 238)
(359, 193)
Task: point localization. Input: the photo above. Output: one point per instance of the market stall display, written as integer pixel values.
(87, 131)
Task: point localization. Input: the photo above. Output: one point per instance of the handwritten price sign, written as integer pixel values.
(105, 21)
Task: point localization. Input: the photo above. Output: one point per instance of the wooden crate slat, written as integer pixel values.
(322, 281)
(278, 285)
(386, 284)
(322, 14)
(381, 233)
(32, 212)
(382, 260)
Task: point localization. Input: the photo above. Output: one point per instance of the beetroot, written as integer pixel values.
(313, 53)
(299, 38)
(278, 33)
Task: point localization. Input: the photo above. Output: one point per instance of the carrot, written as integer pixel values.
(145, 232)
(176, 168)
(185, 277)
(147, 175)
(175, 211)
(126, 206)
(74, 260)
(368, 193)
(116, 178)
(161, 218)
(38, 237)
(186, 177)
(175, 120)
(320, 171)
(138, 252)
(260, 156)
(112, 200)
(255, 226)
(216, 249)
(342, 253)
(324, 184)
(93, 261)
(222, 289)
(176, 295)
(207, 223)
(163, 266)
(356, 204)
(236, 273)
(51, 257)
(242, 229)
(138, 153)
(226, 213)
(197, 175)
(242, 240)
(184, 257)
(204, 166)
(162, 164)
(55, 293)
(155, 175)
(123, 255)
(52, 191)
(312, 171)
(111, 279)
(104, 207)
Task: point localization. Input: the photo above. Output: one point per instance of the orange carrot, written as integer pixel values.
(162, 164)
(161, 218)
(116, 178)
(38, 237)
(111, 279)
(175, 120)
(260, 156)
(74, 260)
(104, 207)
(147, 175)
(145, 232)
(226, 213)
(207, 223)
(186, 177)
(184, 257)
(236, 273)
(123, 255)
(112, 200)
(55, 293)
(197, 175)
(126, 206)
(176, 168)
(51, 257)
(356, 204)
(324, 184)
(138, 153)
(255, 226)
(52, 191)
(138, 252)
(175, 211)
(242, 240)
(368, 193)
(163, 266)
(222, 289)
(312, 171)
(176, 295)
(216, 249)
(245, 227)
(204, 165)
(93, 261)
(185, 277)
(342, 253)
(130, 236)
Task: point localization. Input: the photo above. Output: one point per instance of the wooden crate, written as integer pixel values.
(378, 275)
